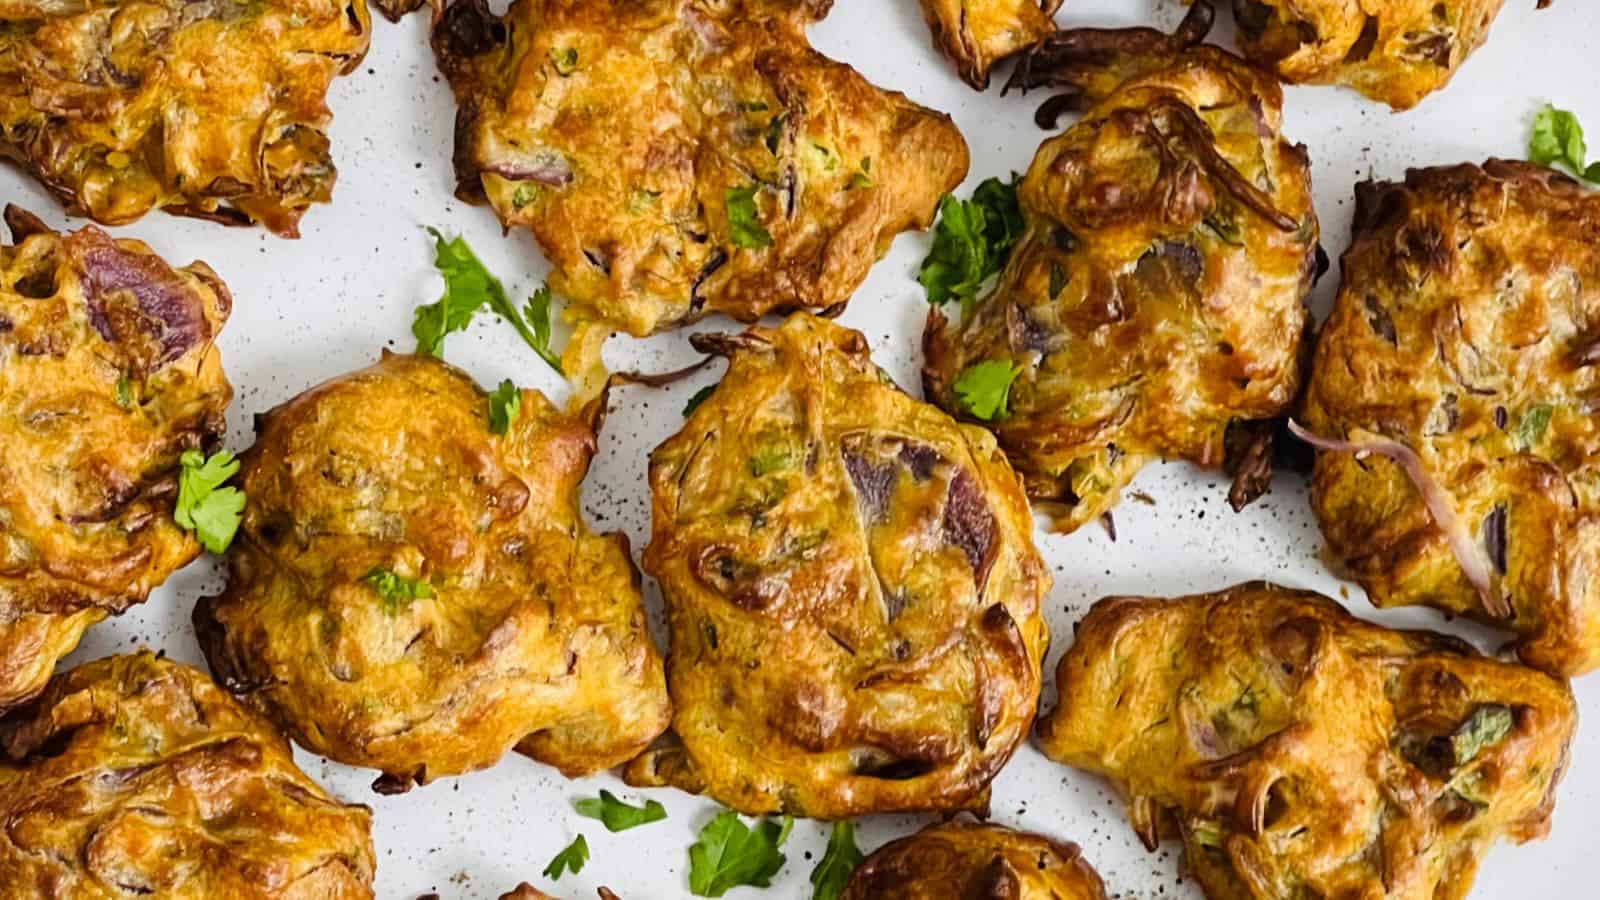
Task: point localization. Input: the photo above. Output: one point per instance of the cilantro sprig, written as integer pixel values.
(984, 389)
(504, 404)
(971, 242)
(395, 591)
(205, 507)
(617, 815)
(1558, 139)
(728, 854)
(841, 858)
(469, 286)
(570, 859)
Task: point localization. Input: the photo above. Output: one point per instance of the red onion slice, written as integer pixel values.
(1473, 564)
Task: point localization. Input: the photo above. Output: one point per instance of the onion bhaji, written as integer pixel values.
(676, 158)
(108, 373)
(851, 584)
(979, 861)
(1393, 51)
(1155, 304)
(137, 776)
(209, 108)
(977, 34)
(1454, 394)
(1298, 751)
(414, 593)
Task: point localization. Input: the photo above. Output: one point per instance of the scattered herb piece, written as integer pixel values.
(863, 178)
(565, 61)
(538, 314)
(744, 220)
(204, 507)
(570, 859)
(841, 858)
(699, 397)
(1558, 138)
(770, 459)
(619, 816)
(1488, 725)
(395, 591)
(504, 404)
(727, 854)
(1534, 423)
(971, 242)
(523, 195)
(468, 287)
(124, 395)
(984, 388)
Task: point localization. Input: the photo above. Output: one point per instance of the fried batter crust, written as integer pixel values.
(851, 584)
(535, 633)
(976, 34)
(134, 775)
(983, 862)
(211, 108)
(1156, 299)
(108, 372)
(616, 131)
(1301, 752)
(1393, 51)
(1467, 328)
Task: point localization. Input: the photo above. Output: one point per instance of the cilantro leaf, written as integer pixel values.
(1488, 725)
(204, 507)
(395, 591)
(983, 389)
(1534, 424)
(971, 242)
(727, 854)
(833, 871)
(619, 816)
(1557, 138)
(504, 404)
(570, 859)
(744, 220)
(124, 392)
(699, 397)
(468, 287)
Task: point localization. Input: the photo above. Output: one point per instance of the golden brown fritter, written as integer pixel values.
(413, 593)
(209, 108)
(851, 584)
(1393, 51)
(134, 775)
(1301, 752)
(108, 372)
(1460, 361)
(976, 34)
(976, 861)
(676, 158)
(1154, 306)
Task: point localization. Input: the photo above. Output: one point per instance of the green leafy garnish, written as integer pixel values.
(1534, 423)
(841, 858)
(744, 220)
(504, 404)
(971, 242)
(570, 859)
(523, 195)
(565, 61)
(1488, 725)
(468, 287)
(395, 591)
(1558, 138)
(205, 507)
(982, 389)
(699, 397)
(863, 178)
(124, 394)
(619, 816)
(727, 854)
(770, 459)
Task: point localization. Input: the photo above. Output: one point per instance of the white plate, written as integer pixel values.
(310, 309)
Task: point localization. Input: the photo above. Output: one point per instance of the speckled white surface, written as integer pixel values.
(323, 305)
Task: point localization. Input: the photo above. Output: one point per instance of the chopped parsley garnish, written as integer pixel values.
(468, 287)
(1558, 138)
(728, 854)
(841, 858)
(770, 459)
(570, 859)
(395, 591)
(204, 506)
(1534, 424)
(619, 816)
(971, 242)
(983, 388)
(744, 220)
(504, 404)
